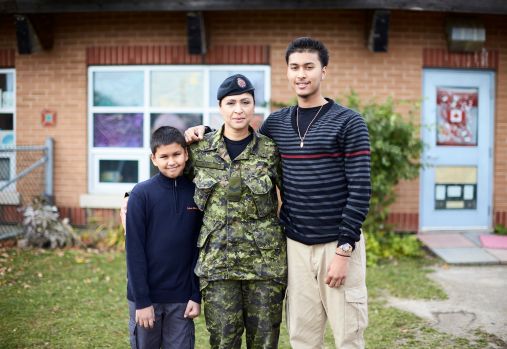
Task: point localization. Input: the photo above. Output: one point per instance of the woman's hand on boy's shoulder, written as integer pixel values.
(193, 310)
(194, 134)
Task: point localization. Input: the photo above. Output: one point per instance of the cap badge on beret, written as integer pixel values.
(241, 82)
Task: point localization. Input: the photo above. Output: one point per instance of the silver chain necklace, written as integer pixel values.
(311, 122)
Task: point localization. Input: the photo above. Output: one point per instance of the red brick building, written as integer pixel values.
(112, 71)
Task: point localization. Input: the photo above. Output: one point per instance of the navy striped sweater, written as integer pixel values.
(326, 184)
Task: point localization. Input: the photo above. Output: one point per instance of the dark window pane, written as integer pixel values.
(6, 122)
(118, 130)
(118, 171)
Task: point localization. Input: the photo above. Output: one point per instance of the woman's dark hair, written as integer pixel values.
(306, 44)
(166, 135)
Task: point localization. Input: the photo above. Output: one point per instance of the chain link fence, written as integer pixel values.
(25, 173)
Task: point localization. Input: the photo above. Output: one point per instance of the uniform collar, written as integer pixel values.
(218, 144)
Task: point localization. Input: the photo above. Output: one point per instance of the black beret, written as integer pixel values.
(234, 85)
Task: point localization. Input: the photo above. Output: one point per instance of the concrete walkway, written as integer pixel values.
(476, 301)
(462, 248)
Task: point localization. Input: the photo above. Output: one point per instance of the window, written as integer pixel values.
(7, 126)
(127, 103)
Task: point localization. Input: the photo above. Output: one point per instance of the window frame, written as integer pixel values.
(12, 110)
(142, 154)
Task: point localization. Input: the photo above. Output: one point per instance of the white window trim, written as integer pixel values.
(142, 154)
(12, 155)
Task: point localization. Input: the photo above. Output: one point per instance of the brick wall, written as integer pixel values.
(58, 79)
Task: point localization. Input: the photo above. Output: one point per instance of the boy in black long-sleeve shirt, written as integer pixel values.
(163, 224)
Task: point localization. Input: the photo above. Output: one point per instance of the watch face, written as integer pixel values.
(346, 247)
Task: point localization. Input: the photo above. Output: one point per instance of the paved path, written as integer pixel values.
(462, 248)
(477, 300)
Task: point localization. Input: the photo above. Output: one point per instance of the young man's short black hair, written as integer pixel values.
(166, 135)
(306, 44)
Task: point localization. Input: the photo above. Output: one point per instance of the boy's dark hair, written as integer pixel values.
(306, 44)
(166, 135)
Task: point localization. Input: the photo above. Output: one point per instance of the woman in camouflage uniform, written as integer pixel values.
(242, 260)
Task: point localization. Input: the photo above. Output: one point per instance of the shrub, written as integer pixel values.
(104, 237)
(500, 229)
(43, 227)
(395, 155)
(382, 245)
(395, 152)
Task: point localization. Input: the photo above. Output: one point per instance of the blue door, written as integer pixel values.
(456, 184)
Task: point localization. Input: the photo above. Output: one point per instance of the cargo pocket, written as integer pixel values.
(261, 188)
(356, 314)
(206, 230)
(208, 250)
(204, 185)
(268, 239)
(270, 244)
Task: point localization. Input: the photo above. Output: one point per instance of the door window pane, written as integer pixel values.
(455, 187)
(457, 116)
(118, 130)
(174, 89)
(115, 89)
(118, 171)
(256, 78)
(5, 165)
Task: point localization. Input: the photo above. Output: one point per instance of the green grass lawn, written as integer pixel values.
(76, 299)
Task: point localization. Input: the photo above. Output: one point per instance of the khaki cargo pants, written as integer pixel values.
(310, 302)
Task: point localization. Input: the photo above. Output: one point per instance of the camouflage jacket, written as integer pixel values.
(240, 238)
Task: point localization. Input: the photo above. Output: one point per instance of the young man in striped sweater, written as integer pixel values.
(326, 190)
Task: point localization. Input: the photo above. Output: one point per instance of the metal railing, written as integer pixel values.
(25, 172)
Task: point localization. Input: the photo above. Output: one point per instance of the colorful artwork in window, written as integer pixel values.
(177, 89)
(118, 171)
(457, 116)
(118, 130)
(179, 120)
(118, 89)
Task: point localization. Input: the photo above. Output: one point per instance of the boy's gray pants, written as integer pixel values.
(171, 330)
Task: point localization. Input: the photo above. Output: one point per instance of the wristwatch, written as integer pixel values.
(344, 250)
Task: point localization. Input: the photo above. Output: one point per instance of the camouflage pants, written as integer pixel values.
(232, 305)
